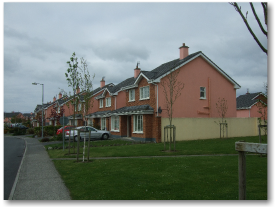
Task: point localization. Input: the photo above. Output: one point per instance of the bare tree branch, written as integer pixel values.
(257, 18)
(238, 9)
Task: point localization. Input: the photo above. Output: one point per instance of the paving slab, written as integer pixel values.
(38, 178)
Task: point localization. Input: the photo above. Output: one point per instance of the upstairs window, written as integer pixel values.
(144, 93)
(132, 95)
(202, 92)
(79, 107)
(108, 102)
(101, 103)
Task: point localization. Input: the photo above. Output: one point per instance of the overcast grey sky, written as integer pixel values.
(39, 38)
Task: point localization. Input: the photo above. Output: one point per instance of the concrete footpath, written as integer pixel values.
(37, 177)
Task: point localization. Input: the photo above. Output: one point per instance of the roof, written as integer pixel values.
(9, 115)
(247, 101)
(140, 109)
(164, 69)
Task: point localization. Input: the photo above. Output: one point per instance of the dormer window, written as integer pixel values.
(144, 93)
(108, 102)
(131, 95)
(202, 92)
(101, 103)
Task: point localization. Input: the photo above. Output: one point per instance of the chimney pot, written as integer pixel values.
(102, 82)
(184, 51)
(54, 99)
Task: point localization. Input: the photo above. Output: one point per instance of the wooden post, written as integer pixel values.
(78, 145)
(242, 148)
(242, 175)
(260, 139)
(88, 148)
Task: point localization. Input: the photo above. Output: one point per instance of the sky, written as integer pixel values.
(39, 38)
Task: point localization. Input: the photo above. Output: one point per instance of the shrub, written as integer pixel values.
(5, 131)
(59, 137)
(11, 130)
(18, 131)
(45, 139)
(30, 131)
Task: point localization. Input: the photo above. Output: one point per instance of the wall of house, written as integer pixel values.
(255, 110)
(195, 74)
(121, 99)
(243, 113)
(208, 128)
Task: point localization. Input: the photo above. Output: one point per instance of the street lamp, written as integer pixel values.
(42, 103)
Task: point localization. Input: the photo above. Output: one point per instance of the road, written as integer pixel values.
(13, 153)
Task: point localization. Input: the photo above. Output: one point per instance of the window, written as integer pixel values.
(79, 107)
(108, 102)
(58, 109)
(144, 92)
(202, 93)
(115, 123)
(132, 95)
(103, 124)
(101, 103)
(90, 122)
(138, 123)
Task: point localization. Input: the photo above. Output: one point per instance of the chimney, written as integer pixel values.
(184, 51)
(102, 82)
(60, 95)
(136, 71)
(54, 99)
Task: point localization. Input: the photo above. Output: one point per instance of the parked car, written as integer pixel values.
(66, 128)
(22, 127)
(95, 133)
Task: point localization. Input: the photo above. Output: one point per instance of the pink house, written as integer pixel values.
(248, 105)
(134, 107)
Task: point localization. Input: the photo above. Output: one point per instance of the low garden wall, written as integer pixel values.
(208, 128)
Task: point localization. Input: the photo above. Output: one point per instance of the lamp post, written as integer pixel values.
(42, 103)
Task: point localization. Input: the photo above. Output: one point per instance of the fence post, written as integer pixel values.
(242, 148)
(242, 175)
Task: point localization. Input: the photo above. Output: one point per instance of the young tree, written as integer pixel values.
(73, 78)
(86, 87)
(222, 108)
(264, 5)
(172, 88)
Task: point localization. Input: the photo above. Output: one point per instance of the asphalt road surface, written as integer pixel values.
(13, 153)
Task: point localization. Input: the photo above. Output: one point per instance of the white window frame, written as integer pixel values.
(103, 123)
(142, 93)
(115, 123)
(108, 102)
(79, 107)
(137, 120)
(131, 95)
(202, 90)
(58, 109)
(90, 122)
(101, 103)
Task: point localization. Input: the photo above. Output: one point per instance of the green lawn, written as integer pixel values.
(162, 178)
(170, 178)
(127, 148)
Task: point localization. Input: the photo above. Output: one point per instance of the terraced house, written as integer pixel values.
(134, 107)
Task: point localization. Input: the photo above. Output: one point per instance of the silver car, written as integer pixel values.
(95, 134)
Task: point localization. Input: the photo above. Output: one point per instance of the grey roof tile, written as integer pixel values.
(247, 100)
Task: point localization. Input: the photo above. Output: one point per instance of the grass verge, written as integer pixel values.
(168, 178)
(122, 148)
